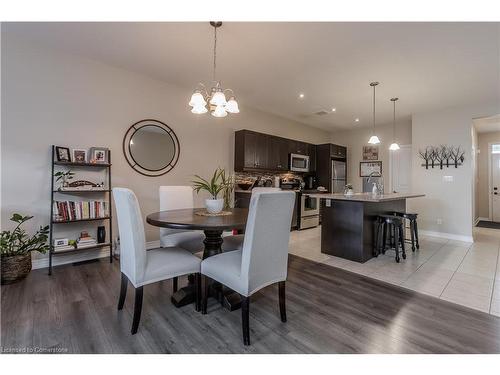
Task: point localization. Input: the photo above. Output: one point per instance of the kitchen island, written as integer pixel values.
(348, 222)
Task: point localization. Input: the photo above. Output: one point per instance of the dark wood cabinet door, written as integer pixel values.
(250, 148)
(311, 151)
(278, 153)
(262, 151)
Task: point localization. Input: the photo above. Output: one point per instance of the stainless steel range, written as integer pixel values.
(309, 211)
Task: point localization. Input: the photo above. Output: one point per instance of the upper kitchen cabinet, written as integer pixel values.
(278, 153)
(251, 151)
(256, 151)
(337, 151)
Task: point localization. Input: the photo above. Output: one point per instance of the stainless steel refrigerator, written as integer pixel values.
(338, 176)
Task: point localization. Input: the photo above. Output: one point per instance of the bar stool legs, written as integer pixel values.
(390, 229)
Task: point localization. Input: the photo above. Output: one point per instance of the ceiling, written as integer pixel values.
(427, 65)
(487, 124)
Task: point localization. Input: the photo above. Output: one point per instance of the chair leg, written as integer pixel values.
(245, 319)
(123, 291)
(137, 309)
(412, 233)
(402, 240)
(281, 292)
(376, 241)
(197, 286)
(175, 281)
(204, 293)
(395, 231)
(384, 236)
(416, 233)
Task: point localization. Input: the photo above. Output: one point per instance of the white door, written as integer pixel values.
(495, 186)
(401, 170)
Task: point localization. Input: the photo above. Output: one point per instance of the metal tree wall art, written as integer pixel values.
(442, 155)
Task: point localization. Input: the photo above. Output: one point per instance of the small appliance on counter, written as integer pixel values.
(310, 182)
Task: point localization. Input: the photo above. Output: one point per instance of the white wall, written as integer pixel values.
(54, 98)
(449, 201)
(356, 138)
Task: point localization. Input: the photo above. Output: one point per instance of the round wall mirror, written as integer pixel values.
(151, 147)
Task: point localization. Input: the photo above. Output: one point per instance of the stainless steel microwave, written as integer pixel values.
(299, 163)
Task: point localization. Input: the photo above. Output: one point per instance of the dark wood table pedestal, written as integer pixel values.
(213, 228)
(228, 298)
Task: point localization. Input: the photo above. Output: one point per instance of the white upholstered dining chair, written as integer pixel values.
(262, 261)
(142, 267)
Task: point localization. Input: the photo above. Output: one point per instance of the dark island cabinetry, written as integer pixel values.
(257, 151)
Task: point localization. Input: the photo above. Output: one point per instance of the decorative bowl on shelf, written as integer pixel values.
(245, 185)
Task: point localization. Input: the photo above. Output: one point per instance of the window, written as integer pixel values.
(495, 149)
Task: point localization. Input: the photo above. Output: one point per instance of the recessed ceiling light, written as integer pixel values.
(334, 109)
(301, 96)
(356, 119)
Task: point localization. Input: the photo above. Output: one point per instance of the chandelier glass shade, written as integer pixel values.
(203, 101)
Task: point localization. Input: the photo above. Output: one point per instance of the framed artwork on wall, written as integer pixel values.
(368, 167)
(370, 152)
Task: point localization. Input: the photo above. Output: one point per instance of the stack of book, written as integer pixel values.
(85, 241)
(70, 210)
(63, 248)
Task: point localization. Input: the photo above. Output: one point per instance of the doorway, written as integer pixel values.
(494, 181)
(400, 167)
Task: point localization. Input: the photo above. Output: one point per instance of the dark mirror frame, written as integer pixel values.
(136, 166)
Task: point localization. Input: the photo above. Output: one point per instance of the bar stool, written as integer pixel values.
(412, 218)
(394, 225)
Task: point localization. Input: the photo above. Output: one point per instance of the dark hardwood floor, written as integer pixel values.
(329, 311)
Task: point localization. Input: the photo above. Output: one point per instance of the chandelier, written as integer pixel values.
(214, 100)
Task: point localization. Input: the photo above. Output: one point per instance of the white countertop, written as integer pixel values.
(367, 197)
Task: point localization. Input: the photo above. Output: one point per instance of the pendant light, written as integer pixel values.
(374, 139)
(394, 145)
(202, 101)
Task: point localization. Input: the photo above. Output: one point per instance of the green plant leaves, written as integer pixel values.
(18, 242)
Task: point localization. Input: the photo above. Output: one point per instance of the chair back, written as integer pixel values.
(265, 246)
(175, 198)
(132, 236)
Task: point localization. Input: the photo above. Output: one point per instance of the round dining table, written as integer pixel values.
(213, 227)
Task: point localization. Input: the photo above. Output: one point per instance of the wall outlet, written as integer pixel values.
(439, 221)
(448, 178)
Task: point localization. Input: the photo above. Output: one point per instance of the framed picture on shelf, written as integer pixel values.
(368, 167)
(63, 154)
(370, 152)
(79, 156)
(99, 155)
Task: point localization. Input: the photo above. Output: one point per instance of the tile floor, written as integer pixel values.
(461, 272)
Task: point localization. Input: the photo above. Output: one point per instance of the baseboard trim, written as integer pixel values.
(449, 236)
(59, 260)
(482, 219)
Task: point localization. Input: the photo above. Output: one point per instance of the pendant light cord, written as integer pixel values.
(394, 120)
(215, 52)
(374, 109)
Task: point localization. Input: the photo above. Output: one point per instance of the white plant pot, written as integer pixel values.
(214, 206)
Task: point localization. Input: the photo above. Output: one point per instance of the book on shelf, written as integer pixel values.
(79, 210)
(63, 248)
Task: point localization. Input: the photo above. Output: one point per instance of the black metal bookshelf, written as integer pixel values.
(55, 223)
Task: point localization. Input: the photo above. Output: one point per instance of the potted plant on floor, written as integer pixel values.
(217, 184)
(16, 247)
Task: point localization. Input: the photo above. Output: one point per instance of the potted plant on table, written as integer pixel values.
(16, 247)
(219, 183)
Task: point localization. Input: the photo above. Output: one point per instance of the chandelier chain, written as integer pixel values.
(215, 52)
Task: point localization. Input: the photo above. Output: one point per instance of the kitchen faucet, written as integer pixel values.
(380, 184)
